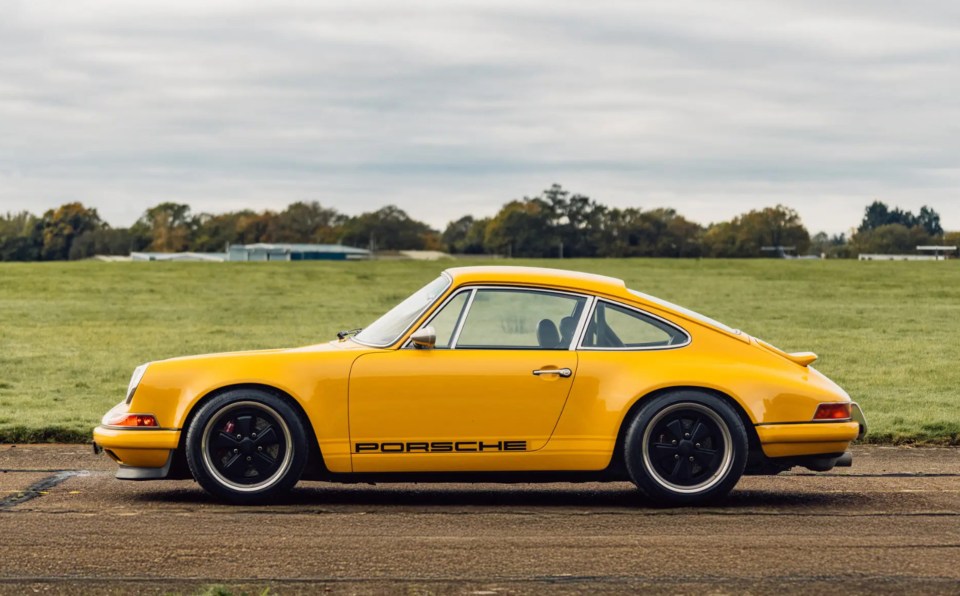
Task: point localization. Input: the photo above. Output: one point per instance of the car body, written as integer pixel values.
(491, 374)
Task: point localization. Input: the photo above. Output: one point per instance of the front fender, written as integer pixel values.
(316, 379)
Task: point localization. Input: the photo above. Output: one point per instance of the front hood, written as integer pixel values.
(331, 346)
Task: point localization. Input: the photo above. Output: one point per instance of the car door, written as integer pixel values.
(491, 389)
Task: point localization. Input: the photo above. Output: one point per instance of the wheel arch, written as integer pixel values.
(617, 462)
(315, 465)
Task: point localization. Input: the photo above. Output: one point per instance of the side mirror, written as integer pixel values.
(424, 338)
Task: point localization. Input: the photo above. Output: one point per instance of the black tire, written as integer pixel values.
(246, 446)
(685, 448)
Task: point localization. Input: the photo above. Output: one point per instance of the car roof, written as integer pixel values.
(539, 276)
(586, 282)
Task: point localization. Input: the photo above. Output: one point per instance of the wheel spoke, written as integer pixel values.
(234, 468)
(263, 463)
(706, 458)
(665, 449)
(700, 432)
(675, 473)
(266, 436)
(245, 425)
(685, 468)
(224, 441)
(676, 427)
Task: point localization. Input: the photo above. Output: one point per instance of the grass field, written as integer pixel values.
(71, 333)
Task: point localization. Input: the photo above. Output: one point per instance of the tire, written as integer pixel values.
(246, 446)
(686, 448)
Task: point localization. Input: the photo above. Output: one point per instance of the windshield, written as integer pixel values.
(686, 312)
(388, 328)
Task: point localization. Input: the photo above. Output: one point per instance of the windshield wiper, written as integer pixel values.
(342, 335)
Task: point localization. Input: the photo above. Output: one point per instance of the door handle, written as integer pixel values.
(563, 372)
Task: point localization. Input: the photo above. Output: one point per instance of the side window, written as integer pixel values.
(613, 326)
(520, 319)
(445, 322)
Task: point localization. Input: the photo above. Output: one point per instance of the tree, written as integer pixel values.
(105, 241)
(747, 234)
(877, 214)
(951, 239)
(576, 222)
(169, 226)
(305, 222)
(659, 232)
(464, 236)
(21, 237)
(554, 224)
(831, 246)
(521, 229)
(892, 238)
(62, 225)
(389, 228)
(929, 220)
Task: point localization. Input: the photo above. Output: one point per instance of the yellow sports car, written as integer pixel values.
(491, 374)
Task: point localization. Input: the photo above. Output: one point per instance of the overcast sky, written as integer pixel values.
(446, 108)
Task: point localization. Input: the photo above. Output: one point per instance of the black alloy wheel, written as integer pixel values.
(246, 445)
(686, 447)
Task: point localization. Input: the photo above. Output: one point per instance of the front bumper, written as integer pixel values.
(143, 454)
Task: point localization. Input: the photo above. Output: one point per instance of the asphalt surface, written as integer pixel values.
(889, 524)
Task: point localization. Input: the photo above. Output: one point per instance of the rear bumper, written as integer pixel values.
(142, 454)
(812, 438)
(807, 438)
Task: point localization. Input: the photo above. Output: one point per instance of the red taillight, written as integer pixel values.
(841, 411)
(137, 420)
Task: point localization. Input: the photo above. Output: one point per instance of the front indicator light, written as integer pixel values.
(839, 411)
(133, 420)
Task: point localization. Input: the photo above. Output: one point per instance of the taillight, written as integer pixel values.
(839, 411)
(133, 420)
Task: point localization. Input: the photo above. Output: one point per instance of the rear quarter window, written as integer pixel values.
(613, 326)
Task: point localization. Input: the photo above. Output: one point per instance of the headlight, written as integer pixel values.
(135, 380)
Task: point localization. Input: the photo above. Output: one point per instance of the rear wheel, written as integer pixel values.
(246, 446)
(686, 447)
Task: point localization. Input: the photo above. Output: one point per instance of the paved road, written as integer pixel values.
(890, 524)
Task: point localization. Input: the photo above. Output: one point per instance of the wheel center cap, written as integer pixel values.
(246, 446)
(686, 448)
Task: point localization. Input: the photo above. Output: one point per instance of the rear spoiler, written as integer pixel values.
(801, 358)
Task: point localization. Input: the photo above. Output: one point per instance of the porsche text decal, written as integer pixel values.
(440, 447)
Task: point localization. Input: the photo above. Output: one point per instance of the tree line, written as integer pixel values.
(554, 223)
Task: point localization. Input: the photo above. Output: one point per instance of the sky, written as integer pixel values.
(449, 108)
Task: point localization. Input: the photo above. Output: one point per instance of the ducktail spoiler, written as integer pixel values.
(801, 358)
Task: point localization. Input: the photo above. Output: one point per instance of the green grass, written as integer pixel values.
(71, 333)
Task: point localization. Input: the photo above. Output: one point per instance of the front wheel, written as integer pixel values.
(685, 448)
(246, 446)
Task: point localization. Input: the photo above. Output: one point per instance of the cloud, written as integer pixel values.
(446, 108)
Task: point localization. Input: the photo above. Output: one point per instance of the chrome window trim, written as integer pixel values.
(462, 319)
(443, 305)
(415, 319)
(635, 349)
(473, 289)
(581, 330)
